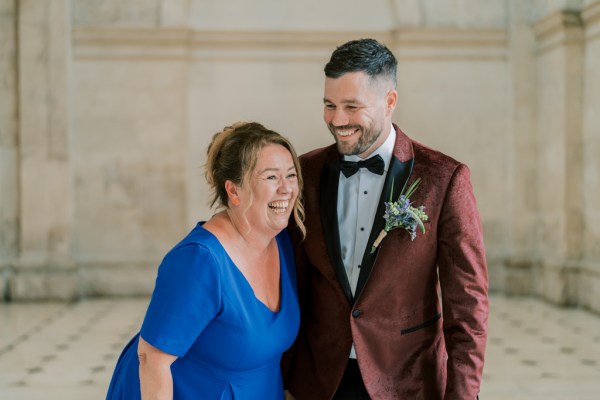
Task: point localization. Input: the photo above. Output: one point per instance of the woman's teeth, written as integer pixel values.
(279, 206)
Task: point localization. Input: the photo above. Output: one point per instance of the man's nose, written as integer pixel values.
(339, 118)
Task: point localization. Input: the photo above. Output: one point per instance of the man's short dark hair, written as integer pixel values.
(363, 55)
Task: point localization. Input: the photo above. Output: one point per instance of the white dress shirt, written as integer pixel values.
(358, 197)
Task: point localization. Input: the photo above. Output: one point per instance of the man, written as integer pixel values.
(399, 318)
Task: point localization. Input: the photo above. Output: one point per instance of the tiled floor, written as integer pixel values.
(63, 351)
(67, 351)
(537, 351)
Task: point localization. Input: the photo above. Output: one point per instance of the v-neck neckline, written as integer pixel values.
(245, 280)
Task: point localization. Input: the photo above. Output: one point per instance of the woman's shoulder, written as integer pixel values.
(197, 236)
(199, 241)
(197, 256)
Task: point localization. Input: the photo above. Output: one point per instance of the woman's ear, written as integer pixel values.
(232, 192)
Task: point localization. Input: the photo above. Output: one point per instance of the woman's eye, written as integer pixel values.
(293, 176)
(272, 177)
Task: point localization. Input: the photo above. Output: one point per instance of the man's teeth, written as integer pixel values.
(345, 132)
(279, 206)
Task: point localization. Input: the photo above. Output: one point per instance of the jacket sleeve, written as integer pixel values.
(464, 287)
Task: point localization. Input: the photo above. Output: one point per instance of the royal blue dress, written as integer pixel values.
(204, 311)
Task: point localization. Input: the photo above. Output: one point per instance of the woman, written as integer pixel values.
(225, 306)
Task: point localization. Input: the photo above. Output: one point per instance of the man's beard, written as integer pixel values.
(365, 141)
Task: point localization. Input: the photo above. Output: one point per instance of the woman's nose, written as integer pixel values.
(286, 186)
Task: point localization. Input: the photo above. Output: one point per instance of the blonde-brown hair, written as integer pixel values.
(232, 155)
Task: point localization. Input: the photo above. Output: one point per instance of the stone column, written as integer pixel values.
(9, 169)
(45, 269)
(559, 71)
(589, 281)
(516, 277)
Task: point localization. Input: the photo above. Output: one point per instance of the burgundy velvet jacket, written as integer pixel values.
(418, 319)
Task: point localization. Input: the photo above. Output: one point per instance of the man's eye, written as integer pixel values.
(330, 106)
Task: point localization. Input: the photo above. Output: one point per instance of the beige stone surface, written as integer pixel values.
(522, 154)
(464, 13)
(559, 83)
(352, 15)
(129, 153)
(116, 12)
(44, 283)
(123, 279)
(9, 199)
(591, 136)
(44, 128)
(101, 170)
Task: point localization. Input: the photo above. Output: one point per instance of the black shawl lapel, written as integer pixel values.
(329, 220)
(398, 174)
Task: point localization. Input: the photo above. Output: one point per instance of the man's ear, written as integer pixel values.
(390, 99)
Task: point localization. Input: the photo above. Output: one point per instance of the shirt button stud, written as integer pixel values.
(356, 313)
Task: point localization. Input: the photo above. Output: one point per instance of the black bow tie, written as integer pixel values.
(374, 164)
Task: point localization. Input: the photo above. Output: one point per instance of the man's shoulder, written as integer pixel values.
(319, 153)
(426, 152)
(317, 157)
(406, 145)
(434, 163)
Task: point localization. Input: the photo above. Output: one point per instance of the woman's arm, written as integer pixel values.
(156, 382)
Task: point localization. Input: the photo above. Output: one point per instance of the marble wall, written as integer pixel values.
(559, 81)
(9, 180)
(589, 278)
(554, 254)
(104, 136)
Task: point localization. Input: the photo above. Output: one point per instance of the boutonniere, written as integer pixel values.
(401, 214)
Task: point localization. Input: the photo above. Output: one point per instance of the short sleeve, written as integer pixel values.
(187, 295)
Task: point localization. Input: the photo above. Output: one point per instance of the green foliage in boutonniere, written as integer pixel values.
(401, 214)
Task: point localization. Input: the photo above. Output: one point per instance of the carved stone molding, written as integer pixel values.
(169, 43)
(558, 29)
(591, 20)
(451, 43)
(131, 43)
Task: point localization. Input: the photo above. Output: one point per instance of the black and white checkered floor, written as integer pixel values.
(68, 351)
